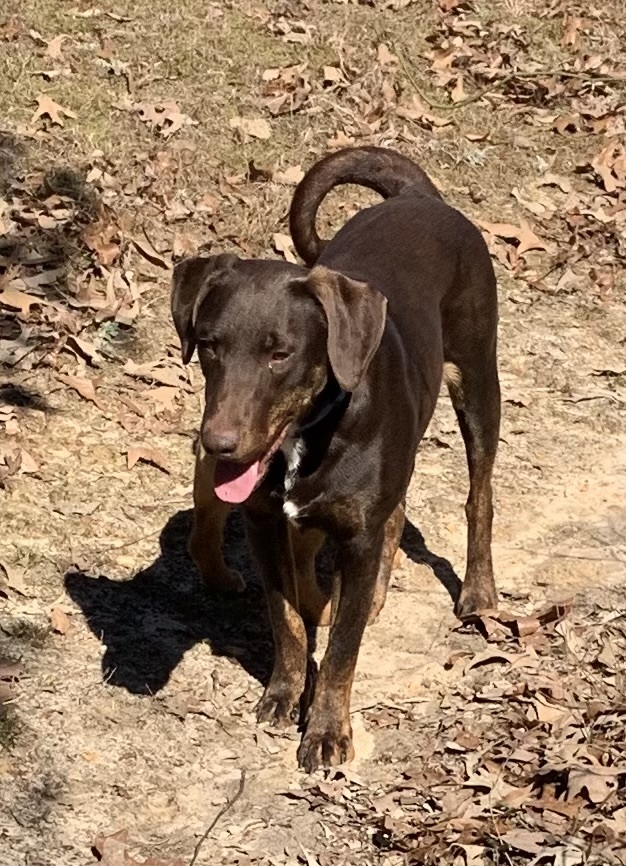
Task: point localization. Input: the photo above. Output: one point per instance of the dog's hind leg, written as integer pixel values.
(393, 534)
(469, 328)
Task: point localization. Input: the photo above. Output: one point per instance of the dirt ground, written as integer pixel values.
(127, 694)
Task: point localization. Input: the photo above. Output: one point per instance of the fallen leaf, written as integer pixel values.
(113, 851)
(84, 349)
(14, 578)
(60, 621)
(84, 387)
(527, 841)
(9, 670)
(608, 656)
(158, 371)
(166, 396)
(364, 742)
(47, 107)
(291, 176)
(490, 656)
(596, 785)
(163, 117)
(331, 74)
(526, 237)
(147, 454)
(283, 244)
(55, 45)
(457, 93)
(10, 673)
(385, 57)
(99, 237)
(573, 25)
(14, 298)
(255, 127)
(28, 464)
(146, 249)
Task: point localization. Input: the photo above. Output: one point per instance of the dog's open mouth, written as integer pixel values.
(234, 482)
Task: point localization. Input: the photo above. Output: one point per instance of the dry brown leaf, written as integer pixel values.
(166, 396)
(113, 851)
(597, 784)
(523, 233)
(14, 578)
(183, 245)
(59, 621)
(147, 454)
(99, 238)
(28, 464)
(54, 49)
(546, 712)
(157, 371)
(473, 855)
(47, 107)
(17, 300)
(457, 94)
(608, 655)
(254, 127)
(163, 117)
(490, 656)
(85, 387)
(551, 179)
(143, 245)
(10, 672)
(283, 244)
(84, 349)
(290, 176)
(331, 74)
(527, 841)
(385, 57)
(571, 33)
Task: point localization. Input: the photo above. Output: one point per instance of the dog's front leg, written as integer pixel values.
(328, 737)
(207, 531)
(271, 545)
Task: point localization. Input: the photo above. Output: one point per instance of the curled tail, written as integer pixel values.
(387, 172)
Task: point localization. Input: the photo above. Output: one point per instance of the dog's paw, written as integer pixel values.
(327, 748)
(220, 578)
(474, 599)
(279, 707)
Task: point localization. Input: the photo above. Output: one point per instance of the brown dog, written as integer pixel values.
(319, 386)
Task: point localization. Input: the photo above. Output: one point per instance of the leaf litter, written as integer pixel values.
(521, 761)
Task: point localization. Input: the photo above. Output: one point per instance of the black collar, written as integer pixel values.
(331, 397)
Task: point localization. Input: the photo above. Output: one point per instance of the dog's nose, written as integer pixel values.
(220, 443)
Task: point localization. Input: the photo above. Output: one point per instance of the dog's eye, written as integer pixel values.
(279, 356)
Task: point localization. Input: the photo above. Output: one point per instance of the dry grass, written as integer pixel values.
(141, 715)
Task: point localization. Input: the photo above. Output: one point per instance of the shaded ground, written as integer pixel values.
(131, 706)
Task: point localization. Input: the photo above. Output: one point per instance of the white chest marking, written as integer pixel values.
(290, 510)
(293, 455)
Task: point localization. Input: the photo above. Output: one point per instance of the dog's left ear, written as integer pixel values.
(355, 315)
(191, 283)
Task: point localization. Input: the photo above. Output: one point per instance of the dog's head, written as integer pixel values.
(267, 335)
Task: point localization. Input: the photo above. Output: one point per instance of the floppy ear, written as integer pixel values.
(192, 281)
(355, 314)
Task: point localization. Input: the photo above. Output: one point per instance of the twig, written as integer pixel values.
(140, 538)
(501, 82)
(225, 808)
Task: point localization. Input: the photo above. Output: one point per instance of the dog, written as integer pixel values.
(320, 383)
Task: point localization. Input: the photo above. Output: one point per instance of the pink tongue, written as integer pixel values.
(234, 482)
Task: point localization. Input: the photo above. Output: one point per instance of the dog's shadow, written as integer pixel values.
(148, 623)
